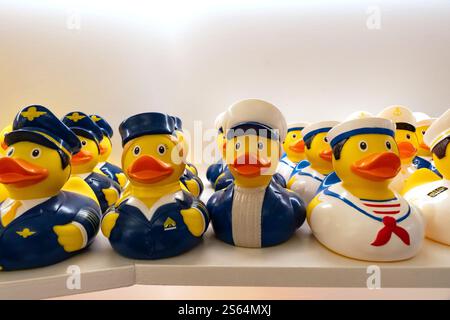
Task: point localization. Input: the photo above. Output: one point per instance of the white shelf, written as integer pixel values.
(300, 262)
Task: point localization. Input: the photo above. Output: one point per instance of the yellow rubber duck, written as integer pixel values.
(83, 179)
(406, 139)
(294, 150)
(361, 217)
(40, 224)
(104, 166)
(158, 219)
(423, 122)
(429, 192)
(255, 211)
(307, 176)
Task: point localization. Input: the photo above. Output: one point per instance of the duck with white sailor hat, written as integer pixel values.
(255, 211)
(406, 138)
(308, 175)
(361, 217)
(294, 150)
(426, 190)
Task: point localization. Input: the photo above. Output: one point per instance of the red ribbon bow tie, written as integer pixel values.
(390, 227)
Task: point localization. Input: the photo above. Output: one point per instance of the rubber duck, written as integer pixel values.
(427, 191)
(83, 179)
(406, 138)
(104, 167)
(40, 224)
(294, 150)
(217, 168)
(423, 159)
(308, 175)
(3, 145)
(254, 211)
(158, 219)
(189, 179)
(361, 217)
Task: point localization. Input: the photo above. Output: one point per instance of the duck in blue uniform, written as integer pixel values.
(254, 211)
(189, 180)
(217, 168)
(106, 191)
(40, 224)
(157, 219)
(104, 166)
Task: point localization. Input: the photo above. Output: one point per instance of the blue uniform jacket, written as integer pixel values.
(188, 175)
(226, 178)
(97, 183)
(420, 163)
(136, 237)
(39, 247)
(111, 171)
(283, 212)
(214, 171)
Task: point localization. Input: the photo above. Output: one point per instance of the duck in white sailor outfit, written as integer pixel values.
(294, 150)
(423, 159)
(406, 138)
(308, 175)
(255, 211)
(157, 219)
(426, 190)
(361, 217)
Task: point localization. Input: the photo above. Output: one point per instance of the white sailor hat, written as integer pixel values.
(354, 127)
(422, 119)
(297, 126)
(359, 115)
(258, 115)
(401, 116)
(438, 131)
(317, 127)
(218, 123)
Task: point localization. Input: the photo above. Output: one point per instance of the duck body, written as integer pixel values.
(30, 240)
(305, 181)
(286, 167)
(214, 171)
(113, 172)
(157, 232)
(239, 220)
(351, 226)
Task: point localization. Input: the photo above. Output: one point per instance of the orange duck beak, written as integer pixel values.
(406, 149)
(326, 154)
(298, 147)
(20, 172)
(82, 157)
(147, 170)
(249, 165)
(4, 145)
(103, 150)
(424, 146)
(377, 166)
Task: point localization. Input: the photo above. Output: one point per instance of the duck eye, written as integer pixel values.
(294, 136)
(423, 131)
(10, 152)
(408, 136)
(388, 145)
(363, 146)
(162, 149)
(137, 150)
(237, 146)
(83, 143)
(325, 139)
(36, 153)
(260, 145)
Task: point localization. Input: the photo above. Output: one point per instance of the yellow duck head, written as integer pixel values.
(405, 134)
(152, 156)
(423, 122)
(293, 145)
(3, 145)
(90, 136)
(37, 162)
(438, 138)
(365, 156)
(253, 141)
(318, 151)
(221, 139)
(105, 143)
